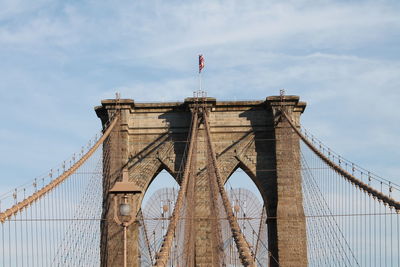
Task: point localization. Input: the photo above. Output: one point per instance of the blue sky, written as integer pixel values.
(59, 59)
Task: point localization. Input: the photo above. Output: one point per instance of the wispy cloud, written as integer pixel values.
(60, 58)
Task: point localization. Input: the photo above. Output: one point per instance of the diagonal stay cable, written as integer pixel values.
(323, 206)
(53, 184)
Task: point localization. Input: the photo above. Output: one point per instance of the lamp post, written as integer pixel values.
(122, 191)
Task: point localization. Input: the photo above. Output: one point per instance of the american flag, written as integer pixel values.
(201, 62)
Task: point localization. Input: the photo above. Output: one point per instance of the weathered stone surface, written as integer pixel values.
(249, 135)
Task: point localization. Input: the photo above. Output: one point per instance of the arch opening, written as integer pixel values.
(247, 204)
(156, 208)
(163, 178)
(248, 207)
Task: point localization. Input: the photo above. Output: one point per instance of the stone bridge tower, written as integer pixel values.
(250, 135)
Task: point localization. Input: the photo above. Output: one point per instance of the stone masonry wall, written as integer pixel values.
(246, 134)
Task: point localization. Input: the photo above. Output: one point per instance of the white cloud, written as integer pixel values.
(60, 58)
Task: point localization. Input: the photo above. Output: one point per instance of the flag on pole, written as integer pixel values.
(201, 62)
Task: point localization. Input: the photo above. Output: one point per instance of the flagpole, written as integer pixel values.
(199, 81)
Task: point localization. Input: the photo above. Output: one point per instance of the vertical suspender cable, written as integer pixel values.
(32, 235)
(27, 238)
(22, 238)
(2, 245)
(398, 239)
(9, 242)
(384, 226)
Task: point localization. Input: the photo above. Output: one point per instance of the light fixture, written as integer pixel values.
(122, 193)
(125, 208)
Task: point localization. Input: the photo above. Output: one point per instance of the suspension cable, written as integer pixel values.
(163, 254)
(366, 188)
(245, 253)
(53, 184)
